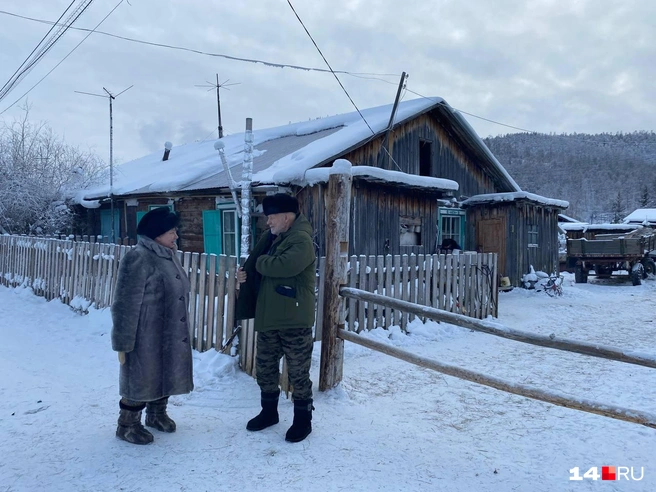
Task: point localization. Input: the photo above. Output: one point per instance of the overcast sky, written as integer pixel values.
(542, 65)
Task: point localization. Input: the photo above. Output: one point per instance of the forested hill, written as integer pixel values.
(602, 176)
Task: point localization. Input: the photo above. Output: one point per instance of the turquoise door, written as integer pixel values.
(212, 232)
(106, 225)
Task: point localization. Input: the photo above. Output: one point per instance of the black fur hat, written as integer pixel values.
(279, 203)
(157, 222)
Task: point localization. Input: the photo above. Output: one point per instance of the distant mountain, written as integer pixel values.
(603, 176)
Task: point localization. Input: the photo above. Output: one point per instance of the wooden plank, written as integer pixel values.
(449, 299)
(201, 328)
(389, 319)
(211, 302)
(625, 414)
(404, 291)
(371, 287)
(423, 279)
(352, 281)
(380, 288)
(495, 285)
(219, 327)
(362, 283)
(396, 283)
(412, 282)
(193, 301)
(481, 279)
(558, 343)
(467, 307)
(230, 288)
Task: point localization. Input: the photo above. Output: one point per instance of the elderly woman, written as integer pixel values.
(150, 329)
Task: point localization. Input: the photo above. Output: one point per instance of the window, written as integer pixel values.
(532, 236)
(451, 225)
(410, 231)
(229, 225)
(425, 157)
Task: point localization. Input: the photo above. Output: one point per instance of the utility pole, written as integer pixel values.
(111, 97)
(386, 142)
(218, 86)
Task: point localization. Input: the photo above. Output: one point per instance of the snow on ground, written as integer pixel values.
(390, 426)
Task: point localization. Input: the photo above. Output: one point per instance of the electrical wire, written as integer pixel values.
(340, 83)
(43, 50)
(37, 46)
(63, 59)
(363, 75)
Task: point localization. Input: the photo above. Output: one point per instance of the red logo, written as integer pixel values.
(608, 473)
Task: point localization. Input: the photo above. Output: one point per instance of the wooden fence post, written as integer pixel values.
(338, 205)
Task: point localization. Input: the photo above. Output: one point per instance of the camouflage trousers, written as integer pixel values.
(296, 345)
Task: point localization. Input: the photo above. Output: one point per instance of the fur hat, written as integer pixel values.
(157, 222)
(279, 203)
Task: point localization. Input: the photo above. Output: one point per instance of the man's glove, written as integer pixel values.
(121, 357)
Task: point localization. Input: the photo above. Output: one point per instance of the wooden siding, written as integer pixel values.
(376, 210)
(448, 159)
(518, 257)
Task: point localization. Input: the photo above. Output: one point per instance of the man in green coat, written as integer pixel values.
(277, 289)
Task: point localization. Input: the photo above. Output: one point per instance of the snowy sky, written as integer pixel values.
(547, 65)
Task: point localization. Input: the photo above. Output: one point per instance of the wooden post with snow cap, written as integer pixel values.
(338, 205)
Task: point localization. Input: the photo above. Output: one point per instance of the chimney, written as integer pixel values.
(167, 150)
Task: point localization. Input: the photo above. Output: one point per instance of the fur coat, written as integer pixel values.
(150, 324)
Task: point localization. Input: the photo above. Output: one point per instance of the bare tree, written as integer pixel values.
(38, 175)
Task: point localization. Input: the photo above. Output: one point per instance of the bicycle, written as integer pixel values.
(554, 286)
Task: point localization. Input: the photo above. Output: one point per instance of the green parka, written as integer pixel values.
(279, 287)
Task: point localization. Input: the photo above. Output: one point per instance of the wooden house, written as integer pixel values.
(425, 178)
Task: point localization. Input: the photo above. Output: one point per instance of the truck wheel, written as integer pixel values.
(580, 275)
(650, 267)
(637, 272)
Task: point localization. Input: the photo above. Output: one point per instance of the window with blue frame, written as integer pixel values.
(451, 225)
(221, 231)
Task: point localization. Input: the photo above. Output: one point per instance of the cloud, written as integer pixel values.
(546, 65)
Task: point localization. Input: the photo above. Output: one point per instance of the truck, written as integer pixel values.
(609, 253)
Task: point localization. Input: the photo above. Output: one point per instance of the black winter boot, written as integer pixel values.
(129, 425)
(269, 414)
(157, 417)
(302, 425)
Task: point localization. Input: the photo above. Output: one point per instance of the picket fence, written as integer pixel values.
(83, 274)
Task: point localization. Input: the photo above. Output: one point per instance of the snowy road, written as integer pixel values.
(390, 426)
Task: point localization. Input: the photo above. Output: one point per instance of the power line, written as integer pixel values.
(37, 46)
(205, 53)
(63, 59)
(340, 83)
(47, 46)
(331, 68)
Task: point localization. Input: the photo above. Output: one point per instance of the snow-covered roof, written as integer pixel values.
(585, 227)
(284, 154)
(513, 197)
(567, 218)
(376, 174)
(644, 216)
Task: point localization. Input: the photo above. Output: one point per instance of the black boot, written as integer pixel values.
(269, 414)
(157, 417)
(129, 425)
(302, 425)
